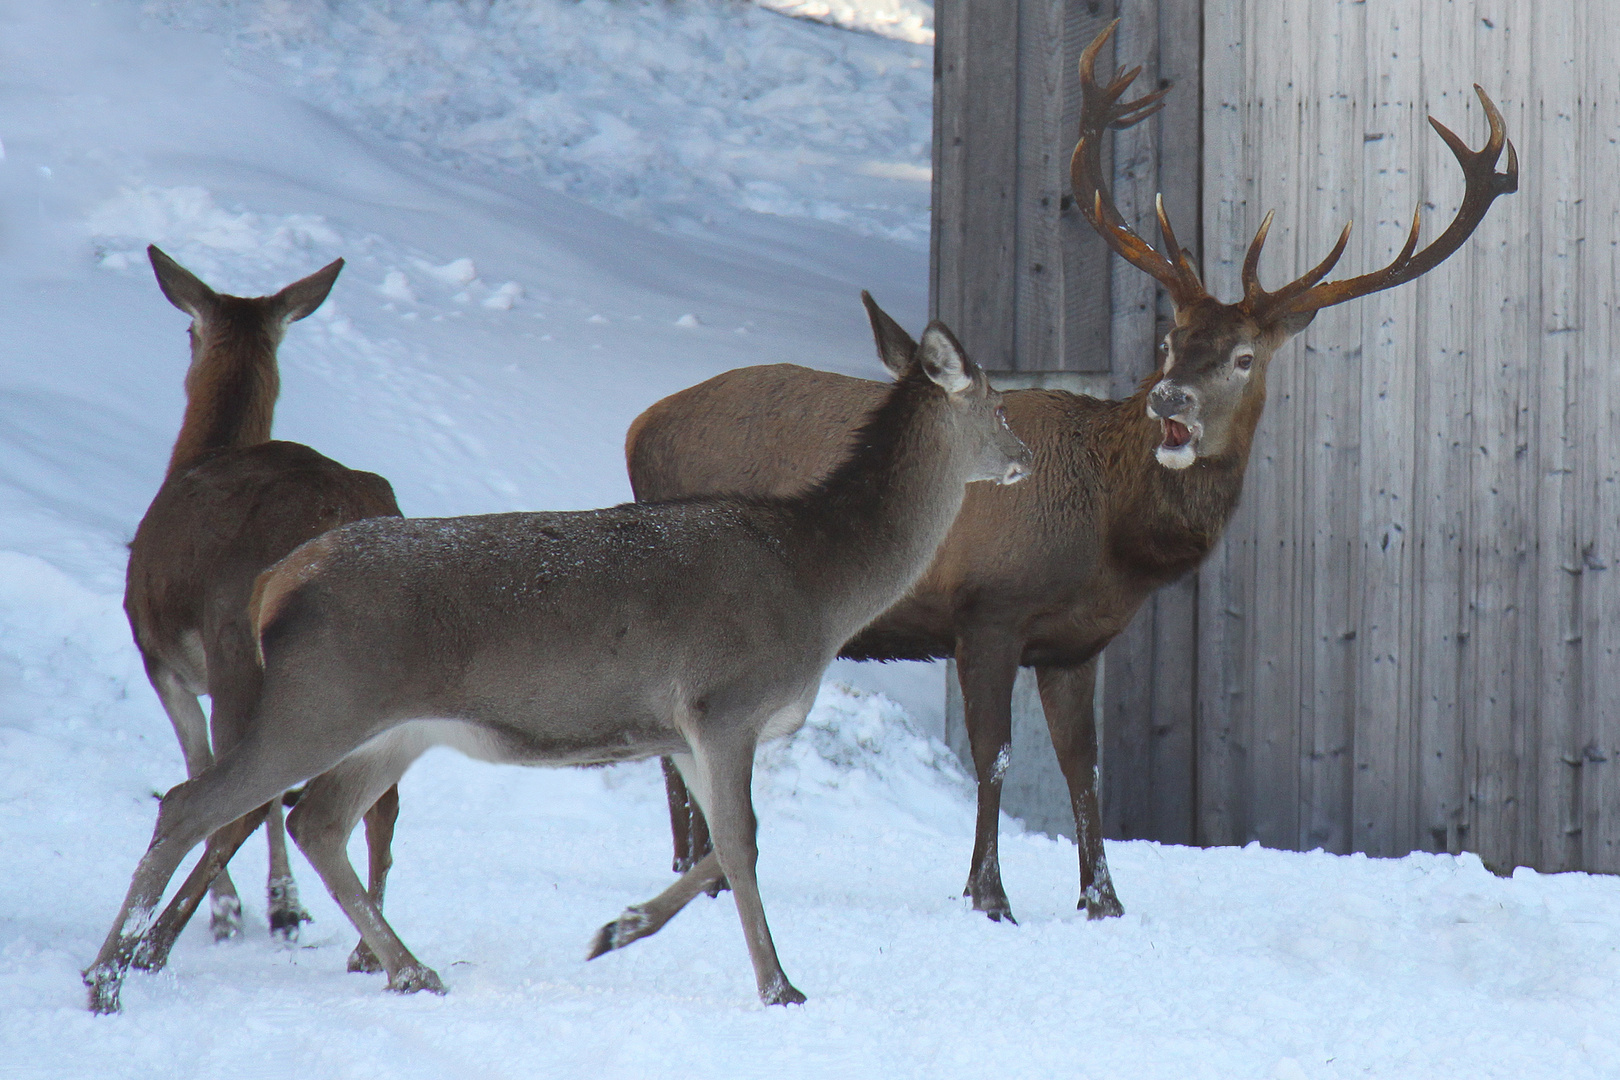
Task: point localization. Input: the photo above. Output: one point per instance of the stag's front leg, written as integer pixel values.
(721, 777)
(986, 666)
(1066, 698)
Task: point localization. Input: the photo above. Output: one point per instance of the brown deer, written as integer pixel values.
(1126, 495)
(694, 629)
(234, 502)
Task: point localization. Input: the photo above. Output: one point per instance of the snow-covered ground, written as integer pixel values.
(512, 299)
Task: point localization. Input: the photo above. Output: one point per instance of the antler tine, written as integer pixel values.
(1252, 292)
(1178, 254)
(1483, 185)
(1101, 109)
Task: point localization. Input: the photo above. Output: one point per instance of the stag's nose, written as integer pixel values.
(1167, 399)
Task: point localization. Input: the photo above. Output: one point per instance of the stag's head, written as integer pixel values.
(1211, 381)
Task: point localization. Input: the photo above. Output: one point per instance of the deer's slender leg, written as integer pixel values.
(646, 919)
(153, 951)
(191, 728)
(720, 775)
(380, 821)
(326, 814)
(986, 666)
(680, 818)
(688, 827)
(1066, 698)
(286, 913)
(238, 782)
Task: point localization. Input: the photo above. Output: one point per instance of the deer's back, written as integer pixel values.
(571, 632)
(215, 526)
(1028, 557)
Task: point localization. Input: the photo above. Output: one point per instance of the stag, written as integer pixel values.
(232, 503)
(1126, 496)
(693, 629)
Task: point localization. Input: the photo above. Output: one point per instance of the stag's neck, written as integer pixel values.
(864, 534)
(230, 402)
(1163, 522)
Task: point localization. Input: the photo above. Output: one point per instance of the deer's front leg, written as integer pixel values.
(721, 777)
(986, 666)
(1066, 698)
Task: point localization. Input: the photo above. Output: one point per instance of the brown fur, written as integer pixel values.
(233, 502)
(1039, 575)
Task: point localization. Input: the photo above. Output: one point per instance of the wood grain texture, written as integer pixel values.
(1406, 640)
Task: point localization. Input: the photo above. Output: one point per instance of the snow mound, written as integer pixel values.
(903, 20)
(668, 113)
(856, 747)
(207, 238)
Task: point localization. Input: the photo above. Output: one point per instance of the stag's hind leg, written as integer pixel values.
(1066, 698)
(327, 813)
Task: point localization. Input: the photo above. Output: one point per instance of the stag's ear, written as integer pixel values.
(895, 347)
(302, 297)
(1289, 325)
(183, 288)
(943, 360)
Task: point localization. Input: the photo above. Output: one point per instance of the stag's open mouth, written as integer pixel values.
(1177, 451)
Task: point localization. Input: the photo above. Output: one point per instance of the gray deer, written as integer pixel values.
(693, 628)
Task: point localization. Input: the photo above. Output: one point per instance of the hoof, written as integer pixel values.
(633, 924)
(286, 913)
(994, 906)
(104, 982)
(150, 955)
(225, 917)
(364, 961)
(412, 978)
(781, 992)
(1101, 906)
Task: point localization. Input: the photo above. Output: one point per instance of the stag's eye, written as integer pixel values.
(1243, 360)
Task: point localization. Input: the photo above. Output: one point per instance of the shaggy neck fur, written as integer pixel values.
(1162, 522)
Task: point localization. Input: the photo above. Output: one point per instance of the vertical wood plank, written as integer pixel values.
(1223, 612)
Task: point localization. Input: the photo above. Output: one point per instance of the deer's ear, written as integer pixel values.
(183, 288)
(1289, 325)
(895, 347)
(943, 360)
(302, 297)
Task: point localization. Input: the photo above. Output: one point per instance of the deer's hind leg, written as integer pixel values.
(326, 814)
(1066, 698)
(380, 821)
(245, 778)
(191, 728)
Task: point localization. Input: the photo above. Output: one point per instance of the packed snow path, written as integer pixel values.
(485, 349)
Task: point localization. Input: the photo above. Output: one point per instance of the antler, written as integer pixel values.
(1100, 109)
(1484, 184)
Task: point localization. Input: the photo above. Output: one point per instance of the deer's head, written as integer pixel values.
(1212, 373)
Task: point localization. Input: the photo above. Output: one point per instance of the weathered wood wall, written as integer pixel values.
(1407, 639)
